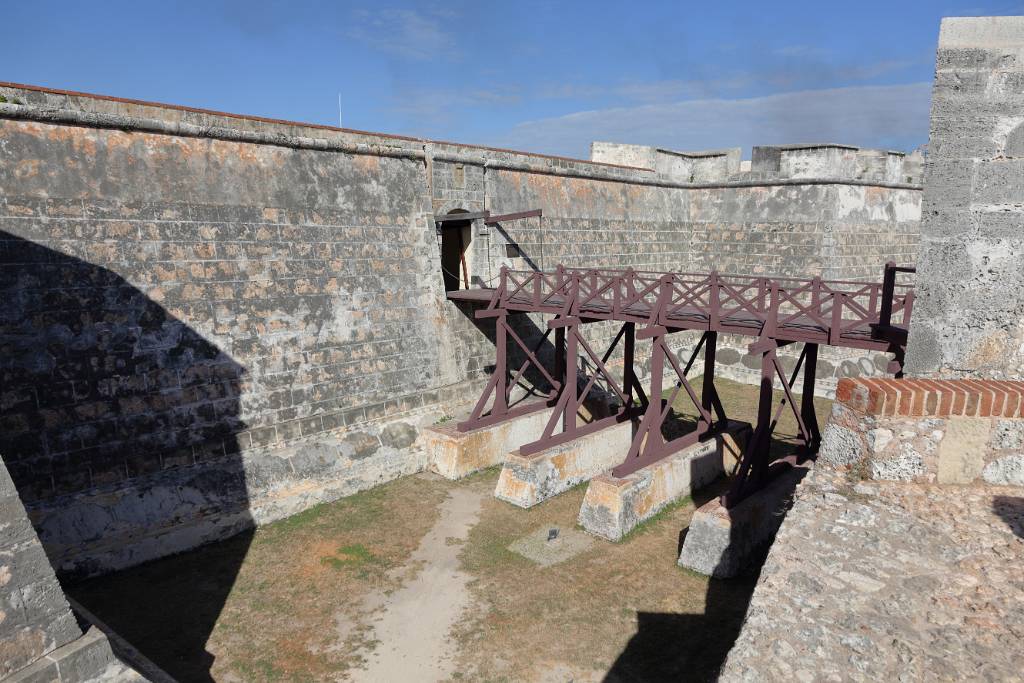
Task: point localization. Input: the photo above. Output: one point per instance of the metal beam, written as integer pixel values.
(494, 220)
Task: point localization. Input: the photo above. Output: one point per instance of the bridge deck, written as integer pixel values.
(837, 313)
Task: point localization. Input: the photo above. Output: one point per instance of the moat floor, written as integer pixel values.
(416, 580)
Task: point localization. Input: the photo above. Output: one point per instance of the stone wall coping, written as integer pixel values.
(316, 138)
(810, 145)
(917, 397)
(298, 124)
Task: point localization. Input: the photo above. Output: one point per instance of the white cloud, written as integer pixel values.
(868, 116)
(643, 91)
(405, 33)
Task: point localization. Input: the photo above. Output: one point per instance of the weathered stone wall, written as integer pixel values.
(35, 618)
(796, 229)
(178, 310)
(693, 167)
(211, 321)
(969, 316)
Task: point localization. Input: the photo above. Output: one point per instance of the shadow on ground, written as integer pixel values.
(168, 609)
(1011, 510)
(693, 647)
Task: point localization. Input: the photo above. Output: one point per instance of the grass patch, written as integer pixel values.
(355, 556)
(266, 606)
(288, 602)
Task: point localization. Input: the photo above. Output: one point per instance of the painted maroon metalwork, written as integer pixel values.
(775, 311)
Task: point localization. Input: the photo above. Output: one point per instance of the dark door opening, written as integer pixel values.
(455, 238)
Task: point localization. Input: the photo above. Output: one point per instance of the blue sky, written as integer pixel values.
(539, 76)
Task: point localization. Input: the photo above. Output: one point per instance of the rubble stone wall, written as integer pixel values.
(916, 430)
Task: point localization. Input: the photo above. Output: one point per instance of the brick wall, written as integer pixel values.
(934, 431)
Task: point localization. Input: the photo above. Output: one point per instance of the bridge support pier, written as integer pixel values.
(530, 479)
(455, 454)
(721, 541)
(614, 506)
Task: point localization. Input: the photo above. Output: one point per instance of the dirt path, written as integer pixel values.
(413, 623)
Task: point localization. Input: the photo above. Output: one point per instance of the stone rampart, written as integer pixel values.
(969, 316)
(211, 321)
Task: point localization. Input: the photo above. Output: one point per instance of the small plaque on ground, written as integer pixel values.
(546, 549)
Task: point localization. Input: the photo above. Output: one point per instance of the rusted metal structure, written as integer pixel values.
(650, 306)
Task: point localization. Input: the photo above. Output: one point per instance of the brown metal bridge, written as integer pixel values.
(650, 306)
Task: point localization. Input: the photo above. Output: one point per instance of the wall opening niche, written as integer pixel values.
(456, 256)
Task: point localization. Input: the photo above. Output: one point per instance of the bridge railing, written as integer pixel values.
(840, 307)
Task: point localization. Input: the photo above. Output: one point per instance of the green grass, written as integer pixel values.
(355, 556)
(353, 512)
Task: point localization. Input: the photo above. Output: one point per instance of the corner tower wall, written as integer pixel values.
(969, 319)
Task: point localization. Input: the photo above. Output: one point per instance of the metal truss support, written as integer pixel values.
(756, 464)
(649, 443)
(777, 311)
(569, 343)
(498, 391)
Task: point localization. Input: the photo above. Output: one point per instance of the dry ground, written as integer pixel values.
(334, 592)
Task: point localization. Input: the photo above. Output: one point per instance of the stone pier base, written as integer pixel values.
(528, 480)
(613, 506)
(721, 543)
(454, 454)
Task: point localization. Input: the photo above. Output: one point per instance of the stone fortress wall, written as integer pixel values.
(210, 321)
(911, 523)
(973, 324)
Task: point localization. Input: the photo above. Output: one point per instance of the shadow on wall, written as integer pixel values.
(109, 396)
(1011, 510)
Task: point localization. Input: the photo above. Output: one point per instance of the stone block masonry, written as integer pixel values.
(209, 321)
(40, 637)
(928, 431)
(969, 315)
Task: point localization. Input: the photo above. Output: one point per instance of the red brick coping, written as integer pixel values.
(933, 398)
